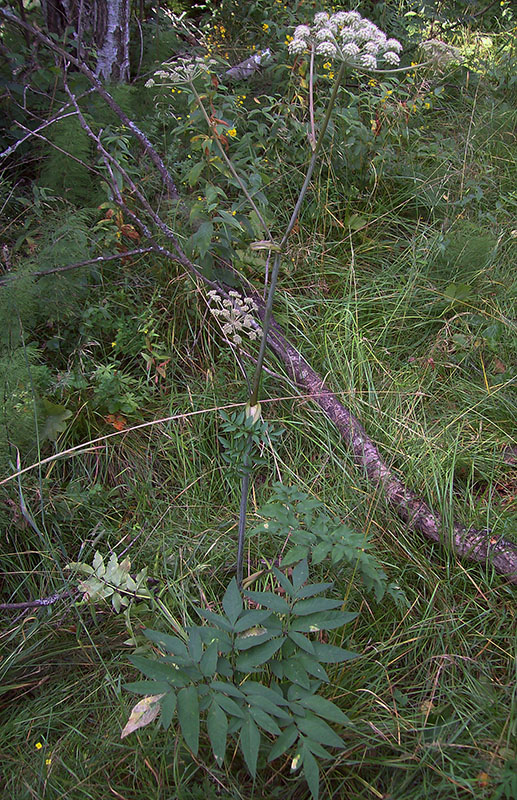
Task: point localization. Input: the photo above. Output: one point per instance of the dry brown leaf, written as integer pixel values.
(142, 714)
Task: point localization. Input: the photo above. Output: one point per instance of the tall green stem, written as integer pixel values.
(269, 312)
(294, 216)
(228, 163)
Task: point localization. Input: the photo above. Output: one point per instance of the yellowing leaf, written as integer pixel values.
(142, 714)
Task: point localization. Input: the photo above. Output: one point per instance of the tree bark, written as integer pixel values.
(99, 24)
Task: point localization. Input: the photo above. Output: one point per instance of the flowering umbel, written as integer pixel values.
(346, 36)
(235, 315)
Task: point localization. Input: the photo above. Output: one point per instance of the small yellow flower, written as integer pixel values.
(327, 65)
(265, 26)
(113, 344)
(427, 105)
(48, 762)
(232, 132)
(38, 745)
(372, 82)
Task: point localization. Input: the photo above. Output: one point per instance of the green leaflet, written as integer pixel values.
(217, 727)
(188, 715)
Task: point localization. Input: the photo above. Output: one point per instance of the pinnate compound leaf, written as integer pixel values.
(283, 743)
(188, 715)
(232, 602)
(168, 707)
(324, 708)
(217, 726)
(250, 743)
(311, 772)
(142, 714)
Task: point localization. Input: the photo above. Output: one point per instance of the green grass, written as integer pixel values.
(432, 696)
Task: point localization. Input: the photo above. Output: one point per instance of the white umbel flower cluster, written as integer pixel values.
(235, 315)
(346, 36)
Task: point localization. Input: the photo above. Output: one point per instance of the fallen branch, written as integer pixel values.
(67, 267)
(473, 544)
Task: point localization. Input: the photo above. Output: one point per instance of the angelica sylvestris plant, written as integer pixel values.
(251, 674)
(347, 37)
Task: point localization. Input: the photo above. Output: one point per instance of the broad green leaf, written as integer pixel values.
(188, 715)
(284, 582)
(301, 641)
(312, 589)
(229, 705)
(320, 552)
(251, 618)
(168, 707)
(250, 743)
(202, 238)
(322, 621)
(270, 600)
(295, 554)
(264, 720)
(325, 708)
(232, 602)
(51, 419)
(313, 667)
(315, 605)
(208, 662)
(195, 172)
(283, 743)
(142, 714)
(318, 730)
(228, 688)
(156, 670)
(254, 688)
(258, 655)
(316, 748)
(147, 687)
(195, 646)
(295, 672)
(171, 644)
(217, 726)
(300, 574)
(269, 706)
(329, 654)
(215, 619)
(311, 772)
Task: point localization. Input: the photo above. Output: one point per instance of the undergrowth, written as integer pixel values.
(400, 289)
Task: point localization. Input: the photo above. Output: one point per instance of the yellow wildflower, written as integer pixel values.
(38, 745)
(265, 26)
(232, 132)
